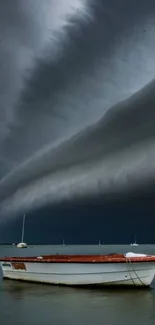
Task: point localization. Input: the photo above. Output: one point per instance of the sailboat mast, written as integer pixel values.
(23, 228)
(135, 238)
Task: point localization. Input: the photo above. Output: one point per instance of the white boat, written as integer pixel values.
(82, 270)
(135, 242)
(22, 244)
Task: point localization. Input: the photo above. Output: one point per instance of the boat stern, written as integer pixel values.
(5, 267)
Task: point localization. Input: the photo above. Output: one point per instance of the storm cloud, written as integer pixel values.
(76, 100)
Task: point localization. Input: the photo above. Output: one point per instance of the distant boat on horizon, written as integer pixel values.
(22, 244)
(135, 242)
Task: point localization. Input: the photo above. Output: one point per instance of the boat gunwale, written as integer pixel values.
(80, 259)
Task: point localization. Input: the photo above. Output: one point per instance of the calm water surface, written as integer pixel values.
(27, 304)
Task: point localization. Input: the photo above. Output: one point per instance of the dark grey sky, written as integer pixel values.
(65, 68)
(114, 223)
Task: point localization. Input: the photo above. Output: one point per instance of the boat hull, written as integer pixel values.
(81, 274)
(22, 245)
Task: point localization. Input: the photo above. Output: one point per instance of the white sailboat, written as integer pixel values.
(22, 244)
(135, 242)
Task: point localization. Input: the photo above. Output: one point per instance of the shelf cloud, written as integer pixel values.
(77, 101)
